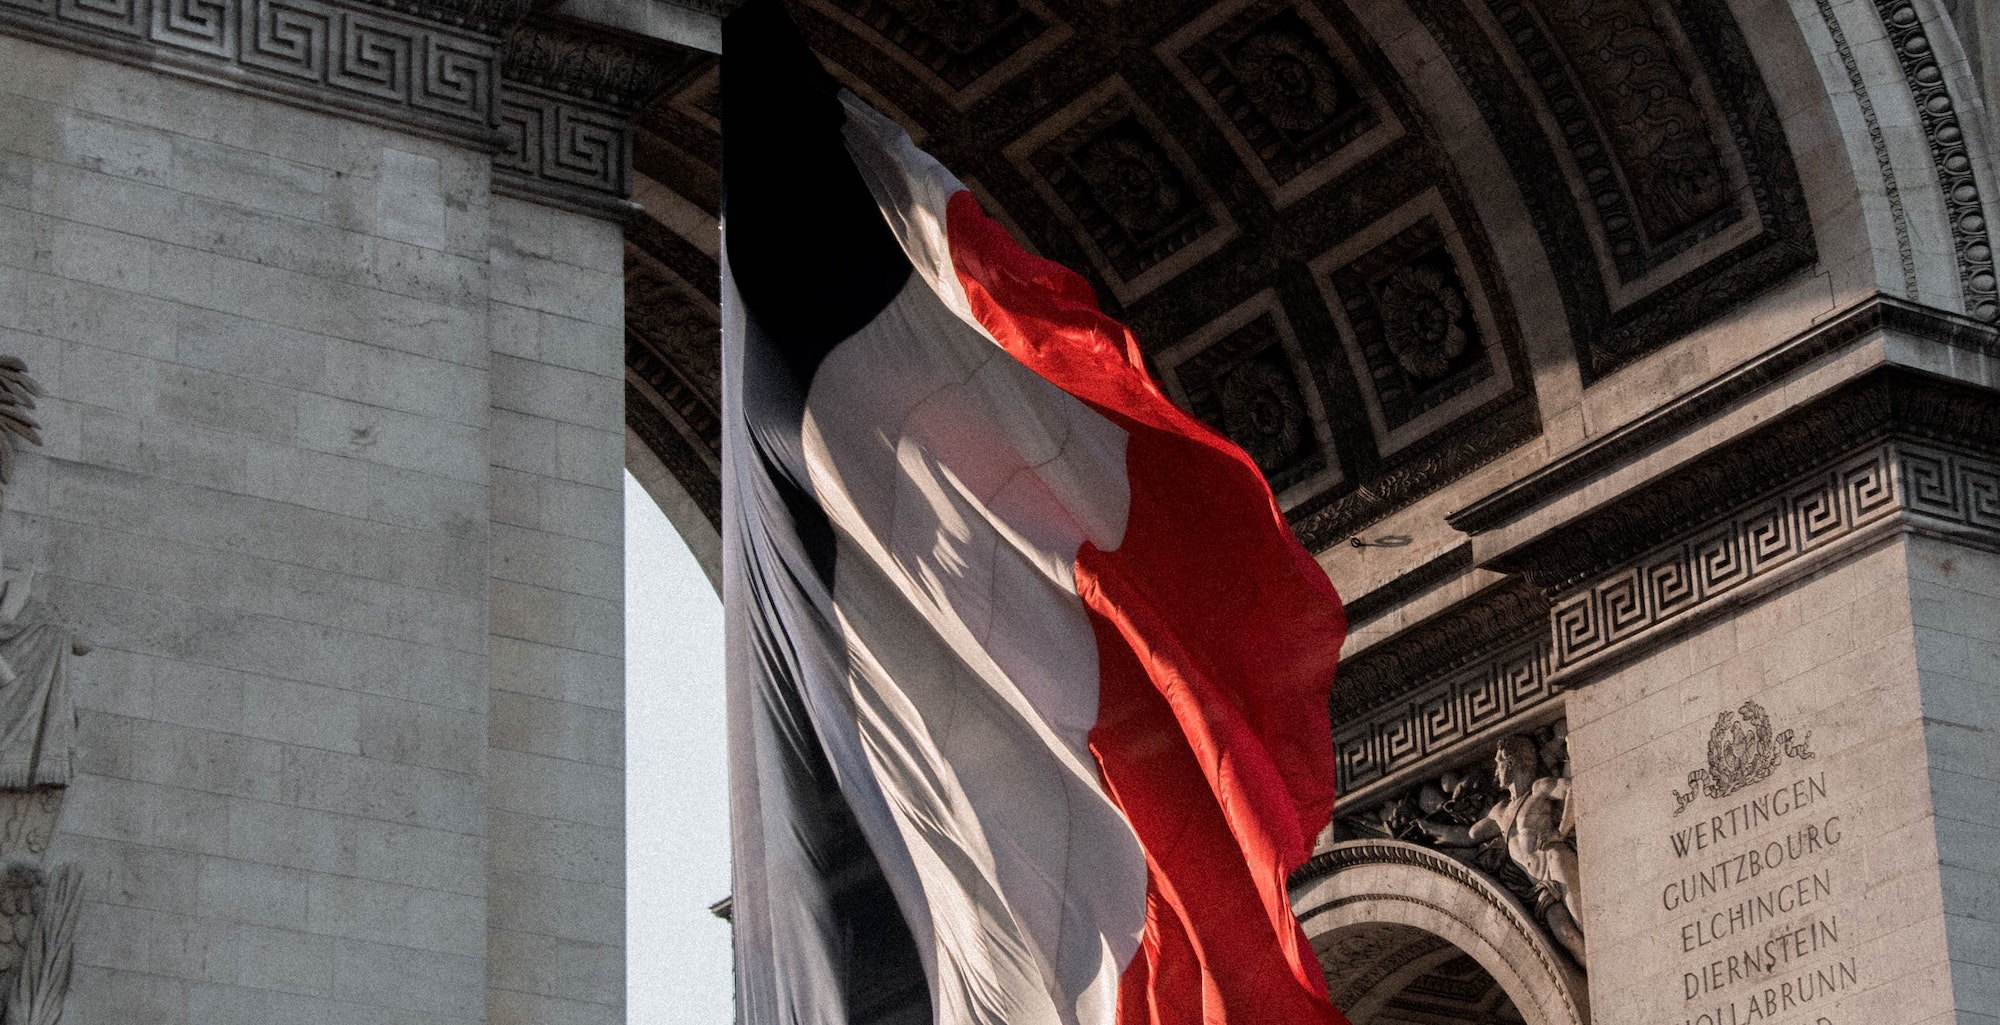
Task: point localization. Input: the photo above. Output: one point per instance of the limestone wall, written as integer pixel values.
(331, 481)
(557, 795)
(1955, 603)
(1809, 895)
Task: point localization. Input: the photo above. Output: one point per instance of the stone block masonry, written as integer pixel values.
(346, 537)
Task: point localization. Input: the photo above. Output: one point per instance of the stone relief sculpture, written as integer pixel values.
(1516, 823)
(38, 903)
(1741, 751)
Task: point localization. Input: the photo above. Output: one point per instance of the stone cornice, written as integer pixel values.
(567, 96)
(1478, 667)
(1887, 403)
(597, 67)
(1810, 521)
(428, 66)
(1384, 599)
(553, 96)
(1894, 450)
(1649, 432)
(486, 17)
(1380, 676)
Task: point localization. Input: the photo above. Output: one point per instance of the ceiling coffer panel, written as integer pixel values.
(1254, 189)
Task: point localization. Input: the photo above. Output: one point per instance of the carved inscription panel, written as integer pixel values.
(1760, 849)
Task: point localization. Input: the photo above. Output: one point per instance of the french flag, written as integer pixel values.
(1046, 636)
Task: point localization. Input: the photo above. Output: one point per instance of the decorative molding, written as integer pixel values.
(1617, 57)
(565, 112)
(1735, 479)
(1438, 714)
(1627, 443)
(1446, 457)
(1770, 536)
(429, 66)
(1751, 543)
(1382, 600)
(1899, 218)
(486, 17)
(1895, 448)
(1361, 853)
(1615, 318)
(701, 481)
(1385, 672)
(596, 67)
(1962, 200)
(1440, 683)
(1377, 963)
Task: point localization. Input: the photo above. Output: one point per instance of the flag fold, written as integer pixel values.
(994, 603)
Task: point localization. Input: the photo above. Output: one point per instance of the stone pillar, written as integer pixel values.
(1781, 716)
(1741, 670)
(556, 871)
(327, 302)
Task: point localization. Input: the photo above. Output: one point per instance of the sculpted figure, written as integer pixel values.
(38, 904)
(1536, 820)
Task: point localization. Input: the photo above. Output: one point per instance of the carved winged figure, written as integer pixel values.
(17, 396)
(38, 904)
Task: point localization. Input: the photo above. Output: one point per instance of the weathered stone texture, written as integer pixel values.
(331, 478)
(1837, 656)
(556, 888)
(1955, 603)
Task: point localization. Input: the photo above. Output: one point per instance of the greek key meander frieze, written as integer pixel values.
(439, 77)
(1762, 539)
(1752, 542)
(553, 139)
(554, 100)
(566, 96)
(1909, 457)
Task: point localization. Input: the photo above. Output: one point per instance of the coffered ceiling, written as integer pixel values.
(1274, 195)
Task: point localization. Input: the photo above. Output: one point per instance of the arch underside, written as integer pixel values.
(1382, 973)
(1408, 934)
(1379, 244)
(1383, 245)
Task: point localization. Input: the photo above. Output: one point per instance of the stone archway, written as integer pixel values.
(1394, 924)
(1381, 973)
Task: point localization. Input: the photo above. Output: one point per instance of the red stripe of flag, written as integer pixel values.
(1217, 637)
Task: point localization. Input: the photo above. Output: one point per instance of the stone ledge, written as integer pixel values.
(1894, 451)
(386, 63)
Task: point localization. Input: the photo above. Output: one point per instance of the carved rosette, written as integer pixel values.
(1246, 381)
(1111, 170)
